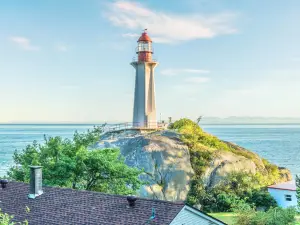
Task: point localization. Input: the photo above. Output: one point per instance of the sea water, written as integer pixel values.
(280, 144)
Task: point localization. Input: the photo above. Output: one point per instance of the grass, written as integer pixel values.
(229, 218)
(225, 217)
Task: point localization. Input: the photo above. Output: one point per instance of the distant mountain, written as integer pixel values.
(250, 120)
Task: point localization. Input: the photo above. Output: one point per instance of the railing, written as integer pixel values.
(133, 125)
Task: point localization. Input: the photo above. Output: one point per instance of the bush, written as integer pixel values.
(228, 202)
(238, 188)
(274, 216)
(214, 200)
(261, 199)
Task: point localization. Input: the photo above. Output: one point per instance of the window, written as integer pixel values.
(288, 198)
(144, 46)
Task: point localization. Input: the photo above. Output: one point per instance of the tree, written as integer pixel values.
(298, 190)
(71, 163)
(199, 119)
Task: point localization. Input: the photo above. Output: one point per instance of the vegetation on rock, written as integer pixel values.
(238, 187)
(70, 163)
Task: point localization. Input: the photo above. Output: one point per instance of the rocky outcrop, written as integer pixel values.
(163, 157)
(166, 162)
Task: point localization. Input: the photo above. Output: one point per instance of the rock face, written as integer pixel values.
(225, 163)
(164, 158)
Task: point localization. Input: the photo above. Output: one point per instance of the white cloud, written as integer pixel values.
(62, 48)
(174, 72)
(167, 27)
(197, 80)
(24, 43)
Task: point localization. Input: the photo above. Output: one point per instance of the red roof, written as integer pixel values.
(290, 186)
(145, 37)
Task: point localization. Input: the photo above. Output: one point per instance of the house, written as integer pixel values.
(63, 206)
(284, 194)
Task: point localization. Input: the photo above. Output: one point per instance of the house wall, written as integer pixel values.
(279, 196)
(190, 216)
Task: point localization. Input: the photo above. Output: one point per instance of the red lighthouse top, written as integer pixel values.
(145, 37)
(144, 48)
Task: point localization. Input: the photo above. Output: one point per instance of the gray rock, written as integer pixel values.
(225, 163)
(166, 162)
(164, 158)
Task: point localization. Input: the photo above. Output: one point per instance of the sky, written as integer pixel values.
(69, 61)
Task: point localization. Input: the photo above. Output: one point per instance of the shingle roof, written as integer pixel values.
(290, 186)
(67, 206)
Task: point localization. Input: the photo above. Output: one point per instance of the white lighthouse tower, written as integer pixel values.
(144, 112)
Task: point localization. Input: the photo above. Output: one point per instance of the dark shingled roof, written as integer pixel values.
(68, 206)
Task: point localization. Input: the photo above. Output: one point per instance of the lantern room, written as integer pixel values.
(144, 49)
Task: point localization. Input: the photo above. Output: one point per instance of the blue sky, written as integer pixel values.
(68, 61)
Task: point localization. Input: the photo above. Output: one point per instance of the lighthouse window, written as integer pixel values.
(144, 46)
(288, 198)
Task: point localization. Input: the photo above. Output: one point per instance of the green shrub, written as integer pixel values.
(261, 199)
(237, 189)
(274, 216)
(226, 202)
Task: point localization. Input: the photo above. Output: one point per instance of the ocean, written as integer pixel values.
(280, 144)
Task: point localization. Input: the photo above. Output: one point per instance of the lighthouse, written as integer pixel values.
(144, 110)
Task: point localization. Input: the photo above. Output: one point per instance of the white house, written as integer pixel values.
(192, 216)
(284, 194)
